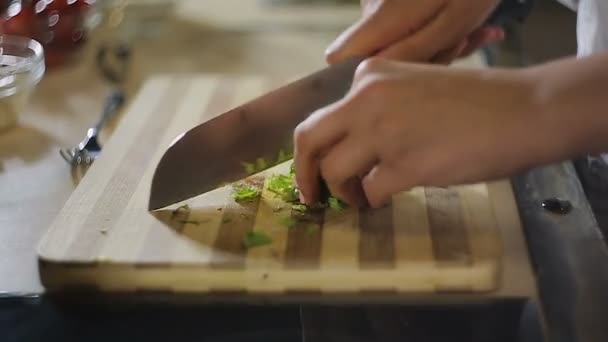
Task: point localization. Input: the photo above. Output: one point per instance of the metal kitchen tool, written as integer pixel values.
(88, 149)
(258, 132)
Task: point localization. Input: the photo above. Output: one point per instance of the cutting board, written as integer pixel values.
(428, 240)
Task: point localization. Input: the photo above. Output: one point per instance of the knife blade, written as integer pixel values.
(214, 152)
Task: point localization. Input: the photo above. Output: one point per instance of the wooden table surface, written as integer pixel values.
(35, 182)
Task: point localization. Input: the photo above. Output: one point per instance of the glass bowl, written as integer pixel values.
(21, 68)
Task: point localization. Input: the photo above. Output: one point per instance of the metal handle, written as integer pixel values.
(113, 102)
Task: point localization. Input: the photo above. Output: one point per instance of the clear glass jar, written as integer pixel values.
(21, 68)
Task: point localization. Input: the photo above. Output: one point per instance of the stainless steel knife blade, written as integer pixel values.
(213, 153)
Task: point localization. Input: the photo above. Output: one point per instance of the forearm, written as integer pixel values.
(571, 100)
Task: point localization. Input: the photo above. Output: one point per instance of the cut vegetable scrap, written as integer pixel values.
(245, 193)
(282, 186)
(300, 207)
(336, 204)
(255, 239)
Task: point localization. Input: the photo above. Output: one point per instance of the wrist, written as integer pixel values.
(564, 112)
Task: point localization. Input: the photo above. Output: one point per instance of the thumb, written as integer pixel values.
(383, 23)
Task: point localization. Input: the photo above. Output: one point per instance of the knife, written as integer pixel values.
(258, 133)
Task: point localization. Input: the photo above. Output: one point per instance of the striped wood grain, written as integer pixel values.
(426, 240)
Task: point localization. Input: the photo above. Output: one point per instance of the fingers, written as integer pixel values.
(385, 22)
(447, 56)
(383, 181)
(425, 43)
(314, 135)
(341, 167)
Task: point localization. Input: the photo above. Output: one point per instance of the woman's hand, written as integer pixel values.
(404, 125)
(435, 31)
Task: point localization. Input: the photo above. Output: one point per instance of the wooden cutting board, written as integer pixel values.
(428, 240)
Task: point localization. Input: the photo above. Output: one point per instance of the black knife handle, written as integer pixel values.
(509, 11)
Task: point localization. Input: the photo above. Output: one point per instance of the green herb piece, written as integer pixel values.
(226, 220)
(289, 222)
(255, 239)
(244, 193)
(291, 195)
(283, 187)
(336, 204)
(300, 207)
(277, 208)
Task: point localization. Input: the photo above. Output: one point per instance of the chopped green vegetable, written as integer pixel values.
(283, 187)
(226, 220)
(336, 204)
(291, 195)
(300, 207)
(244, 193)
(255, 239)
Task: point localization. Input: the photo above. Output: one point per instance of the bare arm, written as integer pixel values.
(572, 97)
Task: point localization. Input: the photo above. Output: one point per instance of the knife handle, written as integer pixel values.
(509, 11)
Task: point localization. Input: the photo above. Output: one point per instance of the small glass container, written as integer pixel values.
(21, 68)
